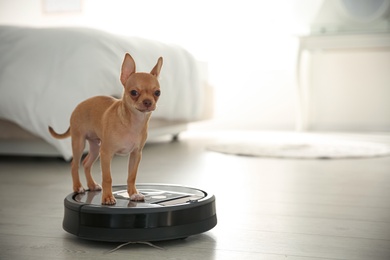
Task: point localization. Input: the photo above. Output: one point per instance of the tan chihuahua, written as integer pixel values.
(113, 126)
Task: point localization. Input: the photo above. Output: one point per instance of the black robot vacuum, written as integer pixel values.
(168, 212)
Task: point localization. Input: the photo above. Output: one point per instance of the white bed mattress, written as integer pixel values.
(45, 73)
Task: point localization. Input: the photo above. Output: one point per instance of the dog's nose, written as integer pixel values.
(147, 103)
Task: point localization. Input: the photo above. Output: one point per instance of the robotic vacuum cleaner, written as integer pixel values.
(168, 212)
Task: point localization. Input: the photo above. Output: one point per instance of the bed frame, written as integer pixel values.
(16, 141)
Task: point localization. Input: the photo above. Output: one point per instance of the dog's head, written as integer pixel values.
(142, 90)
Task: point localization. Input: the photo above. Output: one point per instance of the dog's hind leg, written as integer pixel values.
(93, 154)
(78, 145)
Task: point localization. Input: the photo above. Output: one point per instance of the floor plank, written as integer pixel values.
(266, 208)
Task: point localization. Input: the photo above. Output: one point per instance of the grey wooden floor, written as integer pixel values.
(267, 208)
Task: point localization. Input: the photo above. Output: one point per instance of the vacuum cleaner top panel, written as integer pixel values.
(156, 195)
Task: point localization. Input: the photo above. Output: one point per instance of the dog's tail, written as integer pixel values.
(59, 136)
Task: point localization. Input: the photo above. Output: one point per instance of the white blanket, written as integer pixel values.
(45, 73)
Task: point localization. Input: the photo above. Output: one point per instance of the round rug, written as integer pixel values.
(304, 149)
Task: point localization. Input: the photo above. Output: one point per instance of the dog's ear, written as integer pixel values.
(128, 68)
(156, 70)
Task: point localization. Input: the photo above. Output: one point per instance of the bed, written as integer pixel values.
(46, 72)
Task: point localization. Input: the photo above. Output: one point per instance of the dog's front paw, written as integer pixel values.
(95, 187)
(79, 189)
(137, 197)
(108, 200)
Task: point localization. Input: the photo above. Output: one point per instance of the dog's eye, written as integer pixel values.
(134, 93)
(157, 93)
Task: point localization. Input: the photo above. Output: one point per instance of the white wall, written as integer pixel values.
(249, 45)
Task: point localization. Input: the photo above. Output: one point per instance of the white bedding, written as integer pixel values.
(46, 72)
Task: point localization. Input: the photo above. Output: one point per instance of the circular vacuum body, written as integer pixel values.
(168, 212)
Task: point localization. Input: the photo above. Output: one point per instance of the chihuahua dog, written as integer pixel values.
(113, 126)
